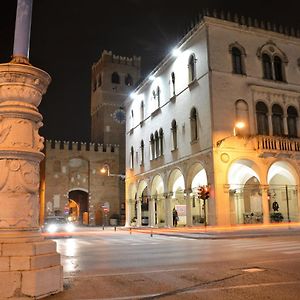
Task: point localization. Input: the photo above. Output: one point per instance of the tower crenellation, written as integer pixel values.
(81, 146)
(243, 21)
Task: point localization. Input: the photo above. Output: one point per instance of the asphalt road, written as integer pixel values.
(120, 266)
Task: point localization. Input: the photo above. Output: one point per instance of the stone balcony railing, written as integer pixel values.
(277, 144)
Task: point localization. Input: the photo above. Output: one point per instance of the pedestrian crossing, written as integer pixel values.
(133, 240)
(288, 247)
(285, 247)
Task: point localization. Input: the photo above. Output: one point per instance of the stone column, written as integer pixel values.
(139, 212)
(188, 199)
(285, 124)
(152, 212)
(30, 266)
(270, 123)
(265, 205)
(168, 211)
(128, 207)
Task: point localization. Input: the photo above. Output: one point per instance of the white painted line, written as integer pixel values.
(291, 252)
(202, 289)
(131, 273)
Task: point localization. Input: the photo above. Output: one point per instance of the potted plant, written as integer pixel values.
(276, 217)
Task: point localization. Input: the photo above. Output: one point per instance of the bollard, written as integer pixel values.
(115, 228)
(151, 233)
(130, 230)
(103, 227)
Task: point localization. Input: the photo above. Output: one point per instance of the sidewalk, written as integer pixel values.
(216, 232)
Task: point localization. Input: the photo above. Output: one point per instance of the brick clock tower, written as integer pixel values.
(113, 78)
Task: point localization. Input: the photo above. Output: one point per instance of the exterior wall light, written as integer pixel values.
(237, 125)
(176, 52)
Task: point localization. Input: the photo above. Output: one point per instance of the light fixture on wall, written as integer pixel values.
(106, 170)
(238, 125)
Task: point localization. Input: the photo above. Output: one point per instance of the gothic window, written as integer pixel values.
(262, 118)
(161, 141)
(158, 96)
(194, 125)
(192, 68)
(237, 63)
(99, 80)
(132, 118)
(142, 153)
(277, 120)
(267, 66)
(94, 85)
(278, 68)
(273, 61)
(142, 108)
(173, 84)
(174, 134)
(131, 158)
(242, 115)
(128, 80)
(152, 146)
(292, 121)
(115, 78)
(156, 137)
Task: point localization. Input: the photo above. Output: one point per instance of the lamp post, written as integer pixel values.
(237, 125)
(22, 244)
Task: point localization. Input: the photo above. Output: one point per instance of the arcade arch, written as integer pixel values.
(283, 195)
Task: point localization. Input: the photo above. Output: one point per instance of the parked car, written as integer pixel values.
(57, 225)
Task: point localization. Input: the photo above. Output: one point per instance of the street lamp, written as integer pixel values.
(106, 170)
(237, 125)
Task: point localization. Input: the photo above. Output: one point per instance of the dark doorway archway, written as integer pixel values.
(82, 201)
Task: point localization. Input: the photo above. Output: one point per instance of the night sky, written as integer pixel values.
(68, 36)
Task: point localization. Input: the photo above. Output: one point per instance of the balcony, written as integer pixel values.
(275, 146)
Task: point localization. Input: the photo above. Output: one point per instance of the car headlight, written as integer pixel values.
(70, 227)
(52, 228)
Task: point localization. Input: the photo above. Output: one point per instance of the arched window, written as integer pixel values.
(131, 158)
(278, 68)
(242, 115)
(161, 141)
(152, 146)
(128, 80)
(142, 153)
(237, 64)
(158, 96)
(194, 125)
(173, 84)
(267, 66)
(277, 120)
(174, 134)
(262, 118)
(132, 119)
(99, 80)
(292, 121)
(192, 68)
(142, 108)
(115, 78)
(156, 138)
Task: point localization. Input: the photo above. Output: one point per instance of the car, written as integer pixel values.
(57, 226)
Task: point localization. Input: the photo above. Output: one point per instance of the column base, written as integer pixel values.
(29, 267)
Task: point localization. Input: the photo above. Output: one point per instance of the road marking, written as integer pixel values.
(130, 273)
(292, 252)
(202, 289)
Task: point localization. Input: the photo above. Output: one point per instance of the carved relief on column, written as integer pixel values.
(19, 198)
(21, 90)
